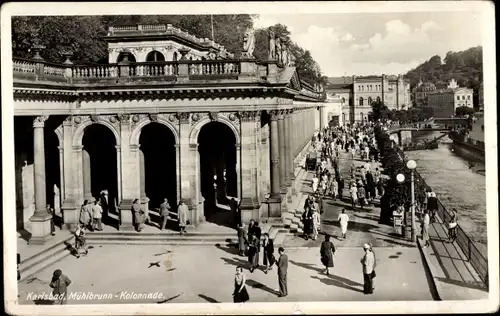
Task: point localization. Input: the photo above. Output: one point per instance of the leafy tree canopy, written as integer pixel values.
(466, 67)
(83, 35)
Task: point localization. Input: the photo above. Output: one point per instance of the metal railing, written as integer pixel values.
(476, 258)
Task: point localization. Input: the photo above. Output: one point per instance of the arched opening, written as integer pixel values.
(100, 169)
(52, 171)
(378, 99)
(155, 56)
(369, 101)
(121, 57)
(218, 176)
(361, 101)
(158, 165)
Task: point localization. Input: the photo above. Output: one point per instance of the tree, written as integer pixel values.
(463, 110)
(379, 112)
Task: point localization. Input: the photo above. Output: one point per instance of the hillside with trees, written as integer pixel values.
(466, 67)
(83, 35)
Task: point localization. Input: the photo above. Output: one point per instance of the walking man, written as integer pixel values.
(343, 220)
(282, 272)
(97, 215)
(164, 211)
(182, 213)
(60, 284)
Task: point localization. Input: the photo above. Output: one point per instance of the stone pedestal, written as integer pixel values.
(40, 229)
(126, 216)
(275, 206)
(71, 215)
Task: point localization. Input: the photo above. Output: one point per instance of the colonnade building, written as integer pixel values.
(171, 116)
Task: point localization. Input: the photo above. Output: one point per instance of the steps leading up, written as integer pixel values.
(43, 259)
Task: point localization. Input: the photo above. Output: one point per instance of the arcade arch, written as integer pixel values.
(158, 161)
(217, 148)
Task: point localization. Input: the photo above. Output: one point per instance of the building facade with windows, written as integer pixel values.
(445, 102)
(208, 128)
(421, 91)
(360, 92)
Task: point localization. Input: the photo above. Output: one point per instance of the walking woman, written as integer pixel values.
(327, 251)
(240, 294)
(452, 226)
(136, 208)
(368, 263)
(354, 196)
(316, 223)
(268, 253)
(307, 220)
(425, 228)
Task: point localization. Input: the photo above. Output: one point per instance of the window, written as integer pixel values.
(378, 99)
(458, 97)
(463, 97)
(369, 101)
(361, 115)
(361, 101)
(343, 100)
(468, 97)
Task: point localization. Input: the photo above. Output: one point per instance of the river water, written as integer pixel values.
(457, 186)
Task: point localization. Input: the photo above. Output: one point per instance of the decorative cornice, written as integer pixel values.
(249, 116)
(213, 116)
(183, 117)
(39, 121)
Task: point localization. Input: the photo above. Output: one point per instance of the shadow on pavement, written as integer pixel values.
(337, 283)
(236, 262)
(43, 302)
(169, 299)
(308, 266)
(230, 249)
(208, 298)
(258, 285)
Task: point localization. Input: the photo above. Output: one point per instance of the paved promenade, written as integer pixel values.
(188, 274)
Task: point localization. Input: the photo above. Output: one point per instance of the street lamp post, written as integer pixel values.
(411, 164)
(392, 140)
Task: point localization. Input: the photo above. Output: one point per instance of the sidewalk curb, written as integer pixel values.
(432, 269)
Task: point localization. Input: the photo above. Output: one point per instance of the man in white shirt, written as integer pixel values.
(343, 220)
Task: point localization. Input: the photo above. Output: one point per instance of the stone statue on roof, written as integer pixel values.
(248, 43)
(272, 45)
(278, 49)
(285, 56)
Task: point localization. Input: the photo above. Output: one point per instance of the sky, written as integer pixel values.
(378, 43)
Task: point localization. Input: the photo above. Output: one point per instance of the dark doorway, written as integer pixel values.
(100, 143)
(218, 181)
(155, 56)
(130, 57)
(158, 145)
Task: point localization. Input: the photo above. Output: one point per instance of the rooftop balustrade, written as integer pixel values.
(39, 70)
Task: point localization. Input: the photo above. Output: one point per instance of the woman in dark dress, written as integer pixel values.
(253, 253)
(307, 220)
(240, 293)
(327, 251)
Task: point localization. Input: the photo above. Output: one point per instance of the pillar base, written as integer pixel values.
(126, 216)
(249, 209)
(71, 214)
(40, 229)
(289, 195)
(274, 202)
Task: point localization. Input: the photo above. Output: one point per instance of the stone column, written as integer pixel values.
(189, 169)
(61, 177)
(119, 172)
(321, 117)
(275, 196)
(129, 170)
(40, 221)
(248, 173)
(87, 193)
(144, 200)
(289, 137)
(70, 209)
(281, 140)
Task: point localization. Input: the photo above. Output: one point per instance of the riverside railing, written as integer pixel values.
(39, 70)
(476, 258)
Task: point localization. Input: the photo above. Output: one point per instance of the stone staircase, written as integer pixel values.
(30, 266)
